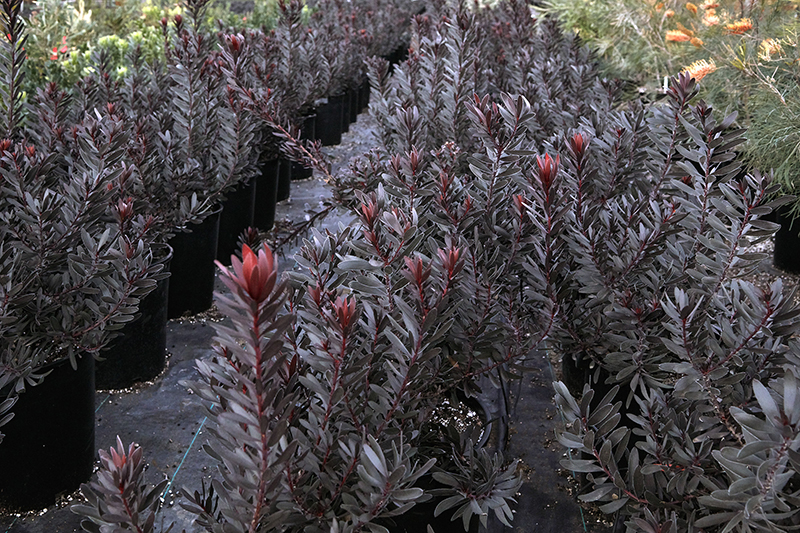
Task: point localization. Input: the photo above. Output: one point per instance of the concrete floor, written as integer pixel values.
(169, 423)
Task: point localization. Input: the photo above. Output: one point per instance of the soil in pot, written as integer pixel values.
(191, 286)
(49, 448)
(140, 353)
(266, 195)
(238, 211)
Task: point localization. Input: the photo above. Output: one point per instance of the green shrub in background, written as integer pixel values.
(261, 14)
(62, 36)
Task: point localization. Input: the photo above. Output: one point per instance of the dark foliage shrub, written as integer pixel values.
(704, 431)
(73, 261)
(190, 140)
(539, 216)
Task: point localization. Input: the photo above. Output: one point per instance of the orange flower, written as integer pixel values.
(709, 5)
(740, 26)
(677, 36)
(659, 6)
(691, 7)
(697, 42)
(710, 18)
(768, 47)
(684, 29)
(699, 69)
(669, 13)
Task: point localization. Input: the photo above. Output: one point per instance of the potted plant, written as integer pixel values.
(175, 176)
(193, 142)
(75, 265)
(343, 25)
(363, 477)
(385, 320)
(695, 364)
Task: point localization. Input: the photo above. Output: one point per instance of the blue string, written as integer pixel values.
(196, 433)
(12, 524)
(102, 403)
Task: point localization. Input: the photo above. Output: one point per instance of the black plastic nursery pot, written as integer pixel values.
(284, 180)
(355, 107)
(140, 353)
(398, 55)
(787, 242)
(346, 104)
(307, 132)
(49, 448)
(191, 287)
(363, 95)
(238, 211)
(266, 195)
(329, 121)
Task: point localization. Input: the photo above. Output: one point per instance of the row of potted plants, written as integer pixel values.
(544, 215)
(620, 253)
(322, 384)
(98, 180)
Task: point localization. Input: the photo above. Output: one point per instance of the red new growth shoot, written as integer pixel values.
(548, 168)
(256, 275)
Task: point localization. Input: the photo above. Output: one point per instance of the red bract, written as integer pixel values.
(578, 143)
(125, 208)
(548, 168)
(450, 262)
(417, 273)
(235, 45)
(519, 204)
(117, 458)
(370, 212)
(345, 310)
(256, 275)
